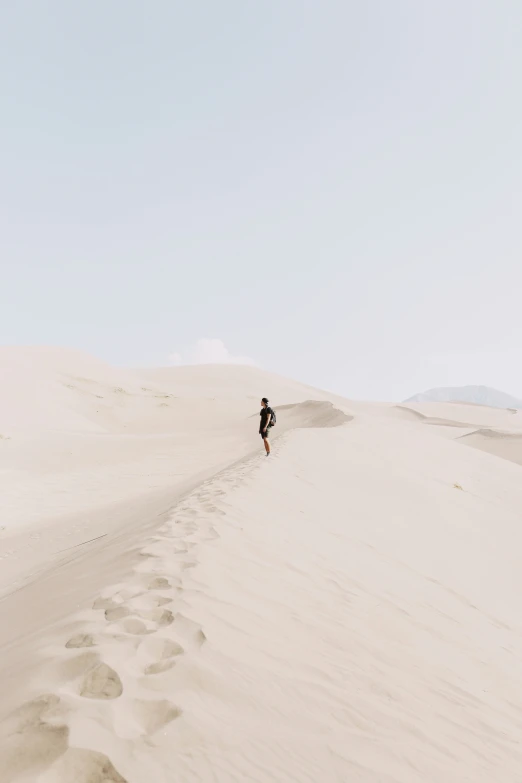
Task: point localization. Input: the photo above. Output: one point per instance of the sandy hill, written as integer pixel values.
(477, 395)
(178, 607)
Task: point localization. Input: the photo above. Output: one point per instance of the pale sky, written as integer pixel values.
(332, 190)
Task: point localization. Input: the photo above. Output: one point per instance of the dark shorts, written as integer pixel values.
(265, 434)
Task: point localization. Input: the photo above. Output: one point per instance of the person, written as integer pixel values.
(264, 424)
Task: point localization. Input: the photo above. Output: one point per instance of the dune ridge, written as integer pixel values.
(507, 445)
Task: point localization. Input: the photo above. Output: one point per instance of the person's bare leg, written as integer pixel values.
(267, 446)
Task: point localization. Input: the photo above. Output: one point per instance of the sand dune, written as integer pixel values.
(507, 445)
(345, 610)
(470, 414)
(312, 413)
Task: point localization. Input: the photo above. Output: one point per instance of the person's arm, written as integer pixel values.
(269, 419)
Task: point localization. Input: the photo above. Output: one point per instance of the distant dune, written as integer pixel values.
(178, 607)
(476, 395)
(507, 445)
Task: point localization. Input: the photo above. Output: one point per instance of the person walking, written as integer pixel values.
(265, 423)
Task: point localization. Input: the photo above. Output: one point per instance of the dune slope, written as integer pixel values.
(80, 440)
(507, 445)
(345, 610)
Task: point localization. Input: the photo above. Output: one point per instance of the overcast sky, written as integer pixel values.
(332, 189)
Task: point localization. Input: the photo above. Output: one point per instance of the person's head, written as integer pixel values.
(264, 402)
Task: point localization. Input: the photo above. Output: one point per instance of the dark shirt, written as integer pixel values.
(265, 413)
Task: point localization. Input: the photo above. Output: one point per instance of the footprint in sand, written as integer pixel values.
(104, 603)
(32, 738)
(159, 583)
(158, 655)
(80, 640)
(142, 604)
(117, 613)
(190, 631)
(101, 682)
(135, 626)
(82, 766)
(161, 617)
(73, 667)
(151, 716)
(153, 582)
(159, 667)
(154, 549)
(148, 601)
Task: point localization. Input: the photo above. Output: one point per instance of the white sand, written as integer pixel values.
(347, 610)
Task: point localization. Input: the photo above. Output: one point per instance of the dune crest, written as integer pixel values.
(507, 445)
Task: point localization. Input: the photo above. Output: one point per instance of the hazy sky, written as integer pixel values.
(333, 188)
